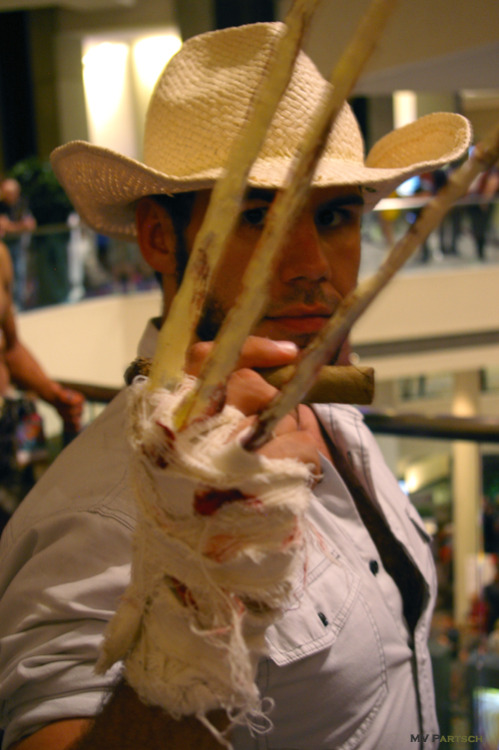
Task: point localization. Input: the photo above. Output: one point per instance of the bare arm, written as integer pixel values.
(146, 727)
(61, 735)
(26, 224)
(26, 372)
(126, 724)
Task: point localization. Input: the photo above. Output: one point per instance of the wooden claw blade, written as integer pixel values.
(179, 328)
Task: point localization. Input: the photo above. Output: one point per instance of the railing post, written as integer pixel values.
(386, 397)
(467, 496)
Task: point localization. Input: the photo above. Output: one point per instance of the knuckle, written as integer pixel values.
(246, 375)
(196, 355)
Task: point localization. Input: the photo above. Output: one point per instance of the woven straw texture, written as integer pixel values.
(197, 108)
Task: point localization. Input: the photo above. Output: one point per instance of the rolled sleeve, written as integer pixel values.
(52, 617)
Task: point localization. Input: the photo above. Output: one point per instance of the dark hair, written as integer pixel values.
(179, 207)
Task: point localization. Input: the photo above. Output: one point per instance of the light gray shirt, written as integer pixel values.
(341, 666)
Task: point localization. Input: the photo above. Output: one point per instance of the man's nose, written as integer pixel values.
(302, 257)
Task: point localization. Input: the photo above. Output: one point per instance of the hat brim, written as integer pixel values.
(104, 186)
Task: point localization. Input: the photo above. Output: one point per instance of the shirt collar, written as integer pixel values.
(147, 344)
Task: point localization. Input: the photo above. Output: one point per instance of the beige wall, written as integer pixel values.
(92, 341)
(420, 305)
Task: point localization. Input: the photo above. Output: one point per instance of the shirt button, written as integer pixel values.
(374, 567)
(322, 617)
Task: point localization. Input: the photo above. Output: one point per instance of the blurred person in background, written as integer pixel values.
(485, 189)
(21, 431)
(17, 221)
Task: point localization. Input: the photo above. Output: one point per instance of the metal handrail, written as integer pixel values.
(381, 422)
(98, 394)
(442, 427)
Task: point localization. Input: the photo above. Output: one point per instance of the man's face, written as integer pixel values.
(316, 268)
(10, 192)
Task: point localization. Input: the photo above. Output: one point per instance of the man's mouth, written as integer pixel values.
(302, 319)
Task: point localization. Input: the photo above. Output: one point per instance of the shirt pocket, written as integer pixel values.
(320, 613)
(326, 670)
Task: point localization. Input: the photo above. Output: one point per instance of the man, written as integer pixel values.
(19, 367)
(349, 666)
(16, 220)
(20, 427)
(484, 189)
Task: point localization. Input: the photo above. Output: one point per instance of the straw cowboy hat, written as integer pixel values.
(199, 104)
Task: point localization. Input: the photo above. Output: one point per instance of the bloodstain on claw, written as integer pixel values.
(222, 547)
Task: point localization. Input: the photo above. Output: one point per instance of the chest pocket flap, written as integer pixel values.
(323, 604)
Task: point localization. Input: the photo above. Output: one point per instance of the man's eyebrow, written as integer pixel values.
(352, 199)
(261, 194)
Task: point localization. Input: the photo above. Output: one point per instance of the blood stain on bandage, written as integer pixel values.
(222, 547)
(182, 593)
(157, 453)
(208, 501)
(155, 457)
(294, 536)
(168, 434)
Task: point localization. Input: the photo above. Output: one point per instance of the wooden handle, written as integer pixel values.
(335, 384)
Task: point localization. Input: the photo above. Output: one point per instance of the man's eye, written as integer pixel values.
(330, 217)
(255, 216)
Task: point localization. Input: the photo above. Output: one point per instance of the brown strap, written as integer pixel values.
(395, 560)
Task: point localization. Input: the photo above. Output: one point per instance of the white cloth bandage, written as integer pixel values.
(219, 545)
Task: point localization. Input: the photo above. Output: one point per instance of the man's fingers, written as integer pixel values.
(248, 391)
(288, 442)
(298, 445)
(257, 352)
(196, 355)
(261, 352)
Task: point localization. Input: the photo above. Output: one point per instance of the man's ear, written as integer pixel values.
(156, 236)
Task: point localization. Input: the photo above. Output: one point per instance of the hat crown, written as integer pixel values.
(204, 94)
(199, 105)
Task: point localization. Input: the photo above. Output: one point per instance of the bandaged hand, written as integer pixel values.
(297, 435)
(219, 546)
